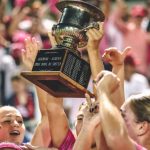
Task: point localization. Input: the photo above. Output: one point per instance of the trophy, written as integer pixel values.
(61, 71)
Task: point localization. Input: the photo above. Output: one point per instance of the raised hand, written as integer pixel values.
(91, 113)
(107, 82)
(94, 37)
(115, 57)
(29, 53)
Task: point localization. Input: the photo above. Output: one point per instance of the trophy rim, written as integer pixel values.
(97, 14)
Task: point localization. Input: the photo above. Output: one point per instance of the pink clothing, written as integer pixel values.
(8, 145)
(137, 39)
(68, 142)
(139, 147)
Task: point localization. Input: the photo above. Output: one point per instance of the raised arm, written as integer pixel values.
(112, 123)
(41, 135)
(3, 4)
(119, 12)
(94, 38)
(17, 19)
(59, 127)
(116, 59)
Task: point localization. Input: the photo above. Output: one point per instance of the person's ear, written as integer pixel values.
(143, 128)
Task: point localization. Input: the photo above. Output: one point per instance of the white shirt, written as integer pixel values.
(137, 84)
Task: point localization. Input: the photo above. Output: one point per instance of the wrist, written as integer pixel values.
(93, 51)
(87, 127)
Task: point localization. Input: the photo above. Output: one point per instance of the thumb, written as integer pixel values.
(125, 51)
(88, 99)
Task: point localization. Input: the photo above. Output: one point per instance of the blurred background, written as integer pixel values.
(127, 23)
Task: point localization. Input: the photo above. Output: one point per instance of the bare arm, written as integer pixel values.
(41, 135)
(84, 139)
(107, 8)
(120, 10)
(94, 38)
(116, 59)
(111, 120)
(58, 121)
(3, 4)
(16, 19)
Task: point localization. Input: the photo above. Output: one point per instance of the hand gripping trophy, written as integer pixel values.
(61, 71)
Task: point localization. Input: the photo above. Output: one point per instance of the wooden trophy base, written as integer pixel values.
(56, 83)
(60, 72)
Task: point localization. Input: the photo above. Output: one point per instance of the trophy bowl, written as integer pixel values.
(60, 70)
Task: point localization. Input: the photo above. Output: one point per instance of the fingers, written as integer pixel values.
(29, 146)
(36, 44)
(88, 99)
(32, 46)
(109, 53)
(95, 34)
(125, 51)
(100, 76)
(94, 108)
(23, 54)
(52, 39)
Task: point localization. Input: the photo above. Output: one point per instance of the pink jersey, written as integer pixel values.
(68, 142)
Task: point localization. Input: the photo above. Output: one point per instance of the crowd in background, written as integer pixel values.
(124, 25)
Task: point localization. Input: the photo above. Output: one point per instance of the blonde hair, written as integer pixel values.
(140, 105)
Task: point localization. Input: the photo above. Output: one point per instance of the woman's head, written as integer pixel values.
(136, 113)
(11, 125)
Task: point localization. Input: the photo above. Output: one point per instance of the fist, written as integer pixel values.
(107, 82)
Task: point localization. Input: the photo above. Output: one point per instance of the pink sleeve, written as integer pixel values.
(68, 141)
(139, 147)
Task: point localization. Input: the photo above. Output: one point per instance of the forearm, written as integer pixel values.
(107, 8)
(42, 99)
(118, 96)
(111, 121)
(119, 12)
(84, 139)
(14, 25)
(58, 121)
(96, 63)
(41, 135)
(2, 9)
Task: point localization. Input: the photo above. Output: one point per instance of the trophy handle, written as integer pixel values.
(92, 25)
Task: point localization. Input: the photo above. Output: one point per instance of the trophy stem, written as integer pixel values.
(71, 43)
